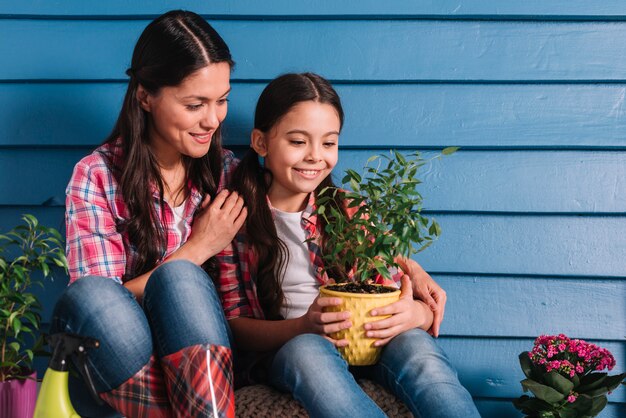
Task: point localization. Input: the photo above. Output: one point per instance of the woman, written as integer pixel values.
(144, 212)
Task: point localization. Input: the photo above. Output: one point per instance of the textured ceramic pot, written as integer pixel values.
(360, 350)
(17, 397)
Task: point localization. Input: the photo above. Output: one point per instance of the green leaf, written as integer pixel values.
(543, 392)
(15, 346)
(526, 364)
(449, 150)
(591, 381)
(558, 382)
(597, 405)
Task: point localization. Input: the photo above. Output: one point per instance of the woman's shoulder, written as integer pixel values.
(94, 168)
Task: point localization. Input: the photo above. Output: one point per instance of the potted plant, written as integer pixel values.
(25, 250)
(384, 222)
(566, 376)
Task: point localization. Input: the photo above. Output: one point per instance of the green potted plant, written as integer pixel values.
(567, 378)
(385, 222)
(25, 251)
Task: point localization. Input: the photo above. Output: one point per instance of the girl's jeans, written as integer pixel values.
(412, 367)
(180, 309)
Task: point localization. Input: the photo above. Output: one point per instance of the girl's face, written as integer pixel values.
(299, 151)
(185, 117)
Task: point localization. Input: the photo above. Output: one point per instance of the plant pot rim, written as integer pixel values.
(357, 295)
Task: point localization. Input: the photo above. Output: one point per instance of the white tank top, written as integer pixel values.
(298, 283)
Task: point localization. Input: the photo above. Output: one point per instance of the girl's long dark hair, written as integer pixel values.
(170, 49)
(252, 181)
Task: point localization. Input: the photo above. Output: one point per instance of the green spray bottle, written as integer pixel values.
(53, 400)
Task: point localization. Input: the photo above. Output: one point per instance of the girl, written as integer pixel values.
(271, 298)
(144, 211)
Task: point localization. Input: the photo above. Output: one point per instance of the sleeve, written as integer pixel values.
(94, 247)
(230, 284)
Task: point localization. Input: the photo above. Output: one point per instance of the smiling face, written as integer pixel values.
(300, 151)
(185, 117)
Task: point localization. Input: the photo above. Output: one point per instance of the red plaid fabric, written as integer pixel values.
(143, 395)
(237, 265)
(95, 209)
(199, 379)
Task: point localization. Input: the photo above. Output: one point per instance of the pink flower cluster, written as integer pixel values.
(570, 356)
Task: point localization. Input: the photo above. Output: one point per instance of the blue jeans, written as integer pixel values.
(180, 309)
(412, 367)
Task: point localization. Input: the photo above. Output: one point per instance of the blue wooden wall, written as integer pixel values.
(532, 208)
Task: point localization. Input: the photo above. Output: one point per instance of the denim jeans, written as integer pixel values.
(180, 309)
(412, 367)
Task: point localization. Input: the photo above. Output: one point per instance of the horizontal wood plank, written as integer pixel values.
(477, 181)
(405, 50)
(491, 306)
(528, 244)
(404, 115)
(531, 9)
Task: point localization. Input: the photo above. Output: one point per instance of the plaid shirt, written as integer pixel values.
(95, 210)
(237, 265)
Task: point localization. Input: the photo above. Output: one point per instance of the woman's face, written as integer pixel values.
(185, 117)
(300, 151)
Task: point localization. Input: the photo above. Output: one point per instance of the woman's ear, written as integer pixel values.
(258, 142)
(143, 97)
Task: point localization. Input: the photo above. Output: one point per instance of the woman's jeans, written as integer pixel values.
(412, 367)
(180, 309)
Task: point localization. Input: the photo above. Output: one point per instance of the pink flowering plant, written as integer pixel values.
(566, 376)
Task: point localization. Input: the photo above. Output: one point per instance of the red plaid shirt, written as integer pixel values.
(95, 209)
(237, 265)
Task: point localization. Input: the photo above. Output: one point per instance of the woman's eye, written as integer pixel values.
(223, 101)
(193, 107)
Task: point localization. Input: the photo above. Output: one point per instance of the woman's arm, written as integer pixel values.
(425, 289)
(213, 229)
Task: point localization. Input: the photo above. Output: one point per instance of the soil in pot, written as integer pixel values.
(365, 288)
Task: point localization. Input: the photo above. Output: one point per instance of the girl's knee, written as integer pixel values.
(305, 350)
(178, 276)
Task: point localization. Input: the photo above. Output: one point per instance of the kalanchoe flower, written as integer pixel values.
(566, 376)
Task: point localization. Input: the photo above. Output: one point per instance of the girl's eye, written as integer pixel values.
(329, 144)
(194, 107)
(296, 141)
(223, 101)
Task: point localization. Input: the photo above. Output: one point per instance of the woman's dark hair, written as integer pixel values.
(171, 48)
(251, 180)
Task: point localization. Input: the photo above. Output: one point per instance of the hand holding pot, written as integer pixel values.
(318, 322)
(406, 314)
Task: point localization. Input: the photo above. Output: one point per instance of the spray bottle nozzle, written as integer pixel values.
(65, 345)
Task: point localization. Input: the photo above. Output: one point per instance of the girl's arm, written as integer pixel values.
(407, 313)
(263, 335)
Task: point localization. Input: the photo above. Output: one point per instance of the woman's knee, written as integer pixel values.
(183, 308)
(100, 308)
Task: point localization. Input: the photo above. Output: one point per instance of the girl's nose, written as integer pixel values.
(314, 153)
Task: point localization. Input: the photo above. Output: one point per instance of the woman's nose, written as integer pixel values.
(210, 119)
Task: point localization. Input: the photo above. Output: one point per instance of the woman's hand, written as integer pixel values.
(216, 224)
(318, 322)
(426, 290)
(406, 314)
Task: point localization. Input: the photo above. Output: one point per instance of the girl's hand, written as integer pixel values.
(406, 314)
(216, 224)
(318, 322)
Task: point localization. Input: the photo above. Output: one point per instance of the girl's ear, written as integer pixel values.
(143, 97)
(258, 142)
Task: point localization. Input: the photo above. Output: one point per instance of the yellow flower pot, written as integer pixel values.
(360, 351)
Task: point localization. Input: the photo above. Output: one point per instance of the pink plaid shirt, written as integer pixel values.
(237, 265)
(95, 209)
